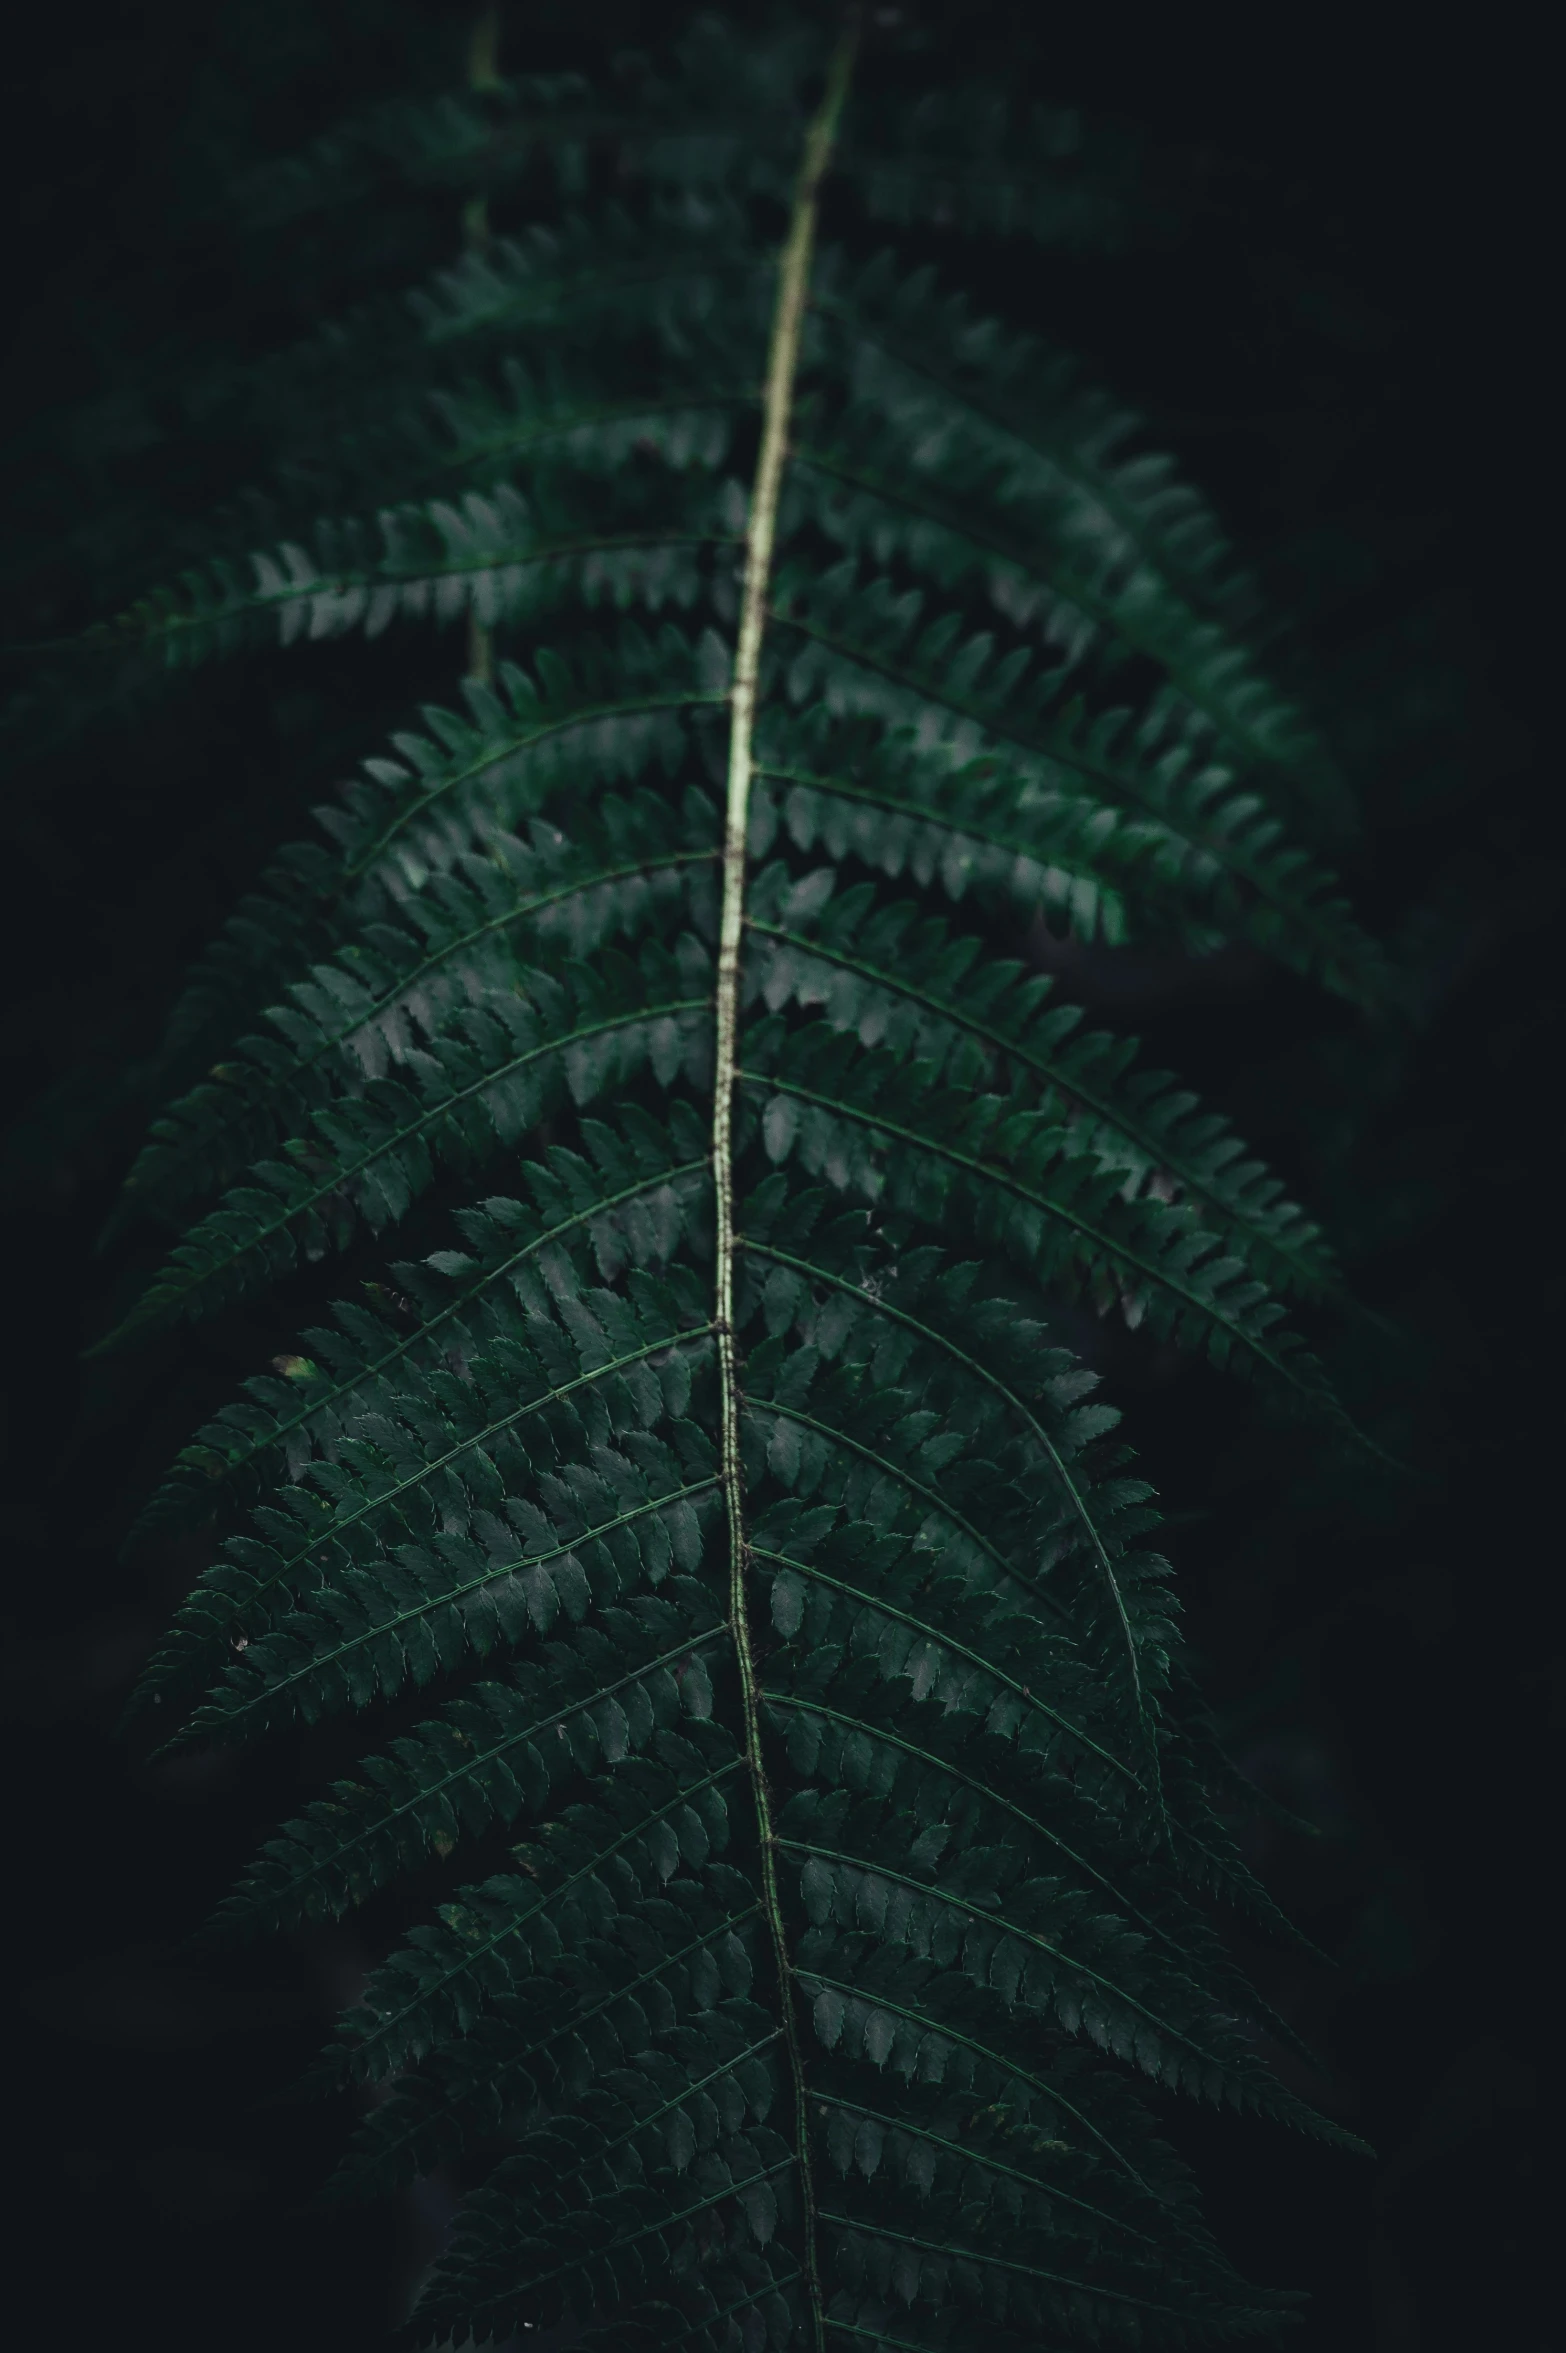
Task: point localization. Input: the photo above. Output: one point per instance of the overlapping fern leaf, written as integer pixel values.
(830, 1856)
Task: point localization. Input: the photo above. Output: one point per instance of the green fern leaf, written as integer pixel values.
(785, 1682)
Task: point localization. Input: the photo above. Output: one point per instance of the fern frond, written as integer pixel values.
(896, 978)
(630, 1200)
(401, 986)
(612, 715)
(961, 520)
(667, 270)
(807, 1709)
(505, 1060)
(453, 1516)
(1008, 396)
(1011, 1177)
(686, 1950)
(591, 422)
(995, 422)
(614, 1852)
(497, 556)
(864, 650)
(506, 1750)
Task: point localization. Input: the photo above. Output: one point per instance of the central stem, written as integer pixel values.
(782, 369)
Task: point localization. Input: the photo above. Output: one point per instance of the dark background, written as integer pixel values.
(1346, 346)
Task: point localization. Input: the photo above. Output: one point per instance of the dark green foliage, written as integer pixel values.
(813, 1979)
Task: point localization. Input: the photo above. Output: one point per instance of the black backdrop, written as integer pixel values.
(1348, 350)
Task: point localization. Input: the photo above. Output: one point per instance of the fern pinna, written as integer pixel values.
(785, 1596)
